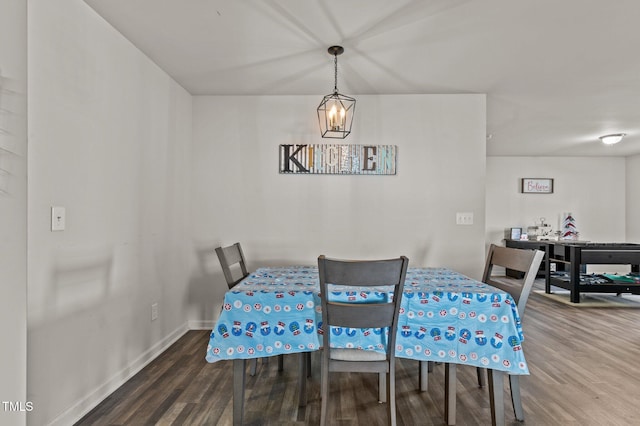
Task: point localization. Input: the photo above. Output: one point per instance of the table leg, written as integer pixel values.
(574, 274)
(516, 399)
(496, 396)
(547, 268)
(238, 390)
(450, 393)
(424, 369)
(302, 379)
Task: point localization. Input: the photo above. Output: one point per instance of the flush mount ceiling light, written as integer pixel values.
(335, 112)
(612, 139)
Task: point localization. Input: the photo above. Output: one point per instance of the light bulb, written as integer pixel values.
(333, 112)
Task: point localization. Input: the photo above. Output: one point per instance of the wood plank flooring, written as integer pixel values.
(584, 363)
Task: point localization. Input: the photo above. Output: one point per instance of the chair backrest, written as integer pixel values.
(233, 264)
(362, 273)
(521, 260)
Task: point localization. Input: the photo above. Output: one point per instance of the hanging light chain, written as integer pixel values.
(335, 64)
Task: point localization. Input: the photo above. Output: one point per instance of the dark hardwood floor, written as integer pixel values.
(584, 365)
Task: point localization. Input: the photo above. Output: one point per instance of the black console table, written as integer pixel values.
(573, 257)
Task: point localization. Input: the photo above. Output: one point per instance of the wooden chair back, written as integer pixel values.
(233, 263)
(362, 273)
(520, 260)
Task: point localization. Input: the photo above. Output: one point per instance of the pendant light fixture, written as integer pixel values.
(335, 112)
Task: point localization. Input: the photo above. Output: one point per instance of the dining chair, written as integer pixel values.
(234, 268)
(526, 262)
(384, 314)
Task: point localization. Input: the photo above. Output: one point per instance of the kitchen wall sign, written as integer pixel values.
(337, 159)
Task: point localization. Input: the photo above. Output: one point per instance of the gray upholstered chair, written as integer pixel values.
(527, 263)
(364, 273)
(234, 268)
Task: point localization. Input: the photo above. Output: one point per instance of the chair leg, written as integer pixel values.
(450, 393)
(324, 390)
(253, 367)
(482, 380)
(382, 387)
(496, 396)
(423, 373)
(514, 385)
(391, 396)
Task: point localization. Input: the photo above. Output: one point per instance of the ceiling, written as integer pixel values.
(557, 74)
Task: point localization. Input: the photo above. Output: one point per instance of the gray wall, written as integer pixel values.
(13, 207)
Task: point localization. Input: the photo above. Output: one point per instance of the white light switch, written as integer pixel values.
(58, 218)
(464, 218)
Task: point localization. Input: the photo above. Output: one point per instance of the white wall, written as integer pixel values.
(111, 140)
(110, 137)
(13, 208)
(633, 198)
(238, 194)
(591, 188)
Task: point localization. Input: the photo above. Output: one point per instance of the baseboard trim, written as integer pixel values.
(85, 405)
(201, 325)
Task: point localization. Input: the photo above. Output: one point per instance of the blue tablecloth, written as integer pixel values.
(444, 316)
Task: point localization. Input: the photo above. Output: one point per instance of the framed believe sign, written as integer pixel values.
(537, 186)
(338, 159)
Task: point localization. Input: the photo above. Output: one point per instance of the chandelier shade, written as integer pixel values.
(335, 112)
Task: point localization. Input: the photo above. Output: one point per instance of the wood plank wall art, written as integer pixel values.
(338, 159)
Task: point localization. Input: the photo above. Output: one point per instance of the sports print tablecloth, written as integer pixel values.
(444, 316)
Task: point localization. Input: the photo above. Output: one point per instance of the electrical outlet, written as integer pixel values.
(154, 311)
(465, 218)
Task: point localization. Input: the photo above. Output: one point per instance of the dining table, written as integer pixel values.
(445, 317)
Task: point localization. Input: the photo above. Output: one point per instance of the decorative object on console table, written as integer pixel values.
(537, 186)
(541, 231)
(569, 229)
